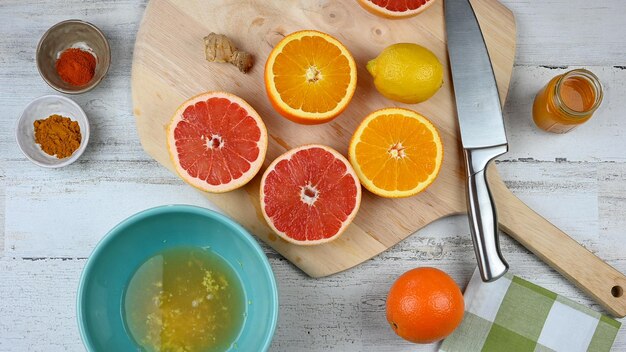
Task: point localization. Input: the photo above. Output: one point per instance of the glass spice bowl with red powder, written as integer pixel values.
(73, 56)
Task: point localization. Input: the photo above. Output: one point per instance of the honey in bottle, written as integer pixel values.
(567, 101)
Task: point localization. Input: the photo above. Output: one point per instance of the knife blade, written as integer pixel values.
(483, 135)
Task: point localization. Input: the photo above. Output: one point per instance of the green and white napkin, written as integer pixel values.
(512, 314)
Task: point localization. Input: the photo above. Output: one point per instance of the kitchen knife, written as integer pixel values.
(482, 129)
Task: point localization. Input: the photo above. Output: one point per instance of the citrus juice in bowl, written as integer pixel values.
(177, 278)
(185, 298)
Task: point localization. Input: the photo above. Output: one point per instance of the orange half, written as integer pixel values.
(310, 77)
(396, 152)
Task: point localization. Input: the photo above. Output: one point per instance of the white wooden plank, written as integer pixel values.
(612, 192)
(570, 32)
(37, 310)
(602, 138)
(2, 208)
(564, 193)
(73, 212)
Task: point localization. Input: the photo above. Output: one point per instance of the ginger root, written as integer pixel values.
(218, 48)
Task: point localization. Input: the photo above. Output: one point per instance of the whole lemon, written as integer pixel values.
(406, 72)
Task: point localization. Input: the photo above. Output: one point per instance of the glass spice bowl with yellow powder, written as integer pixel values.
(53, 131)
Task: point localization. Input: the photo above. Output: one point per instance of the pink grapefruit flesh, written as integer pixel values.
(396, 8)
(217, 142)
(310, 195)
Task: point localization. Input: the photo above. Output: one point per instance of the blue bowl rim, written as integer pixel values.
(167, 209)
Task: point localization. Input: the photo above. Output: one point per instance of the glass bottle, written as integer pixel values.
(567, 101)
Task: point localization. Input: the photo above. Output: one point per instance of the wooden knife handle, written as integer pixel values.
(598, 279)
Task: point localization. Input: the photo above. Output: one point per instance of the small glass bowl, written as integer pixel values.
(72, 34)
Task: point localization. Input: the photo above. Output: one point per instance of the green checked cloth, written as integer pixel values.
(514, 315)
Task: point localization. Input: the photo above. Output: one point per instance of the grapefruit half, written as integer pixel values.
(217, 142)
(396, 8)
(310, 195)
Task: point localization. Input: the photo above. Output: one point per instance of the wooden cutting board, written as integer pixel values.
(169, 67)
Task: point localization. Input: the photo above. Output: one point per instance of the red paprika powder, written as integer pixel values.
(76, 66)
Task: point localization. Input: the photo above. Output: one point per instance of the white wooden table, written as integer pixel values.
(51, 219)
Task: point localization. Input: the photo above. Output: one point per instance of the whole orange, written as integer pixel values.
(424, 305)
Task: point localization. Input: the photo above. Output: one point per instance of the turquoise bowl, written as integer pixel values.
(119, 254)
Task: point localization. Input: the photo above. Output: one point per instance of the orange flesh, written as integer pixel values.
(396, 152)
(311, 74)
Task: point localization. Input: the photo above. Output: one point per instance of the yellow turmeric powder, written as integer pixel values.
(57, 135)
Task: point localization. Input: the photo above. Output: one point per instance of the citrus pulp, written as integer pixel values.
(310, 77)
(310, 195)
(217, 142)
(396, 8)
(396, 152)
